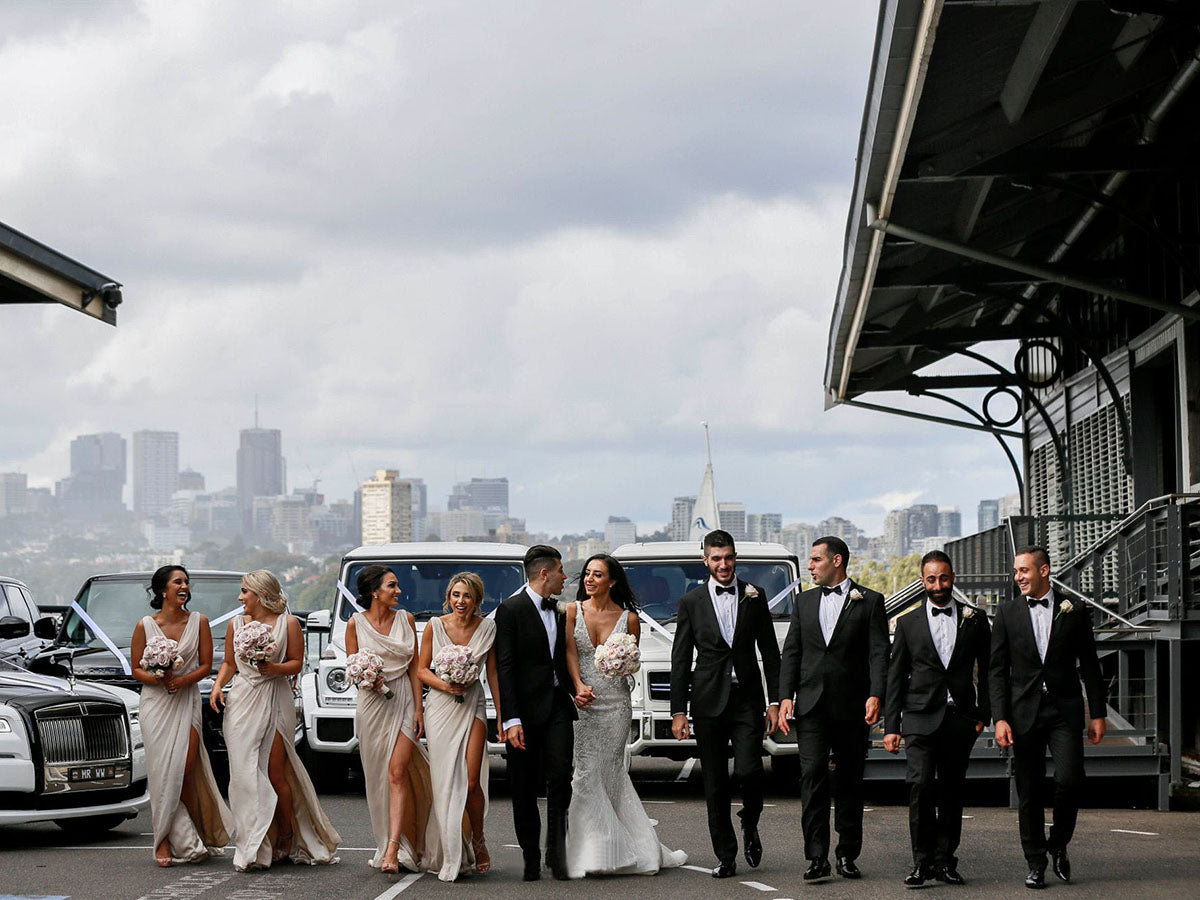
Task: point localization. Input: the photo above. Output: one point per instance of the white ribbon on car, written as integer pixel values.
(104, 638)
(654, 626)
(778, 598)
(350, 598)
(221, 620)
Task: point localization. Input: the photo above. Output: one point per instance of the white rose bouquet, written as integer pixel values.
(365, 671)
(253, 643)
(618, 656)
(161, 656)
(456, 664)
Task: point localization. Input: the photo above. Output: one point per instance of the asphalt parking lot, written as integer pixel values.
(1116, 853)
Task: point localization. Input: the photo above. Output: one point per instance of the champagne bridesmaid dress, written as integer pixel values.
(167, 724)
(258, 708)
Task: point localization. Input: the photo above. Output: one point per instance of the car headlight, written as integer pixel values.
(337, 681)
(5, 728)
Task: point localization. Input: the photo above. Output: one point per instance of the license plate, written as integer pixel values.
(92, 773)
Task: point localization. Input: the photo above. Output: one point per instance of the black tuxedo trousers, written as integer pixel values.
(546, 760)
(739, 723)
(1050, 730)
(820, 736)
(936, 770)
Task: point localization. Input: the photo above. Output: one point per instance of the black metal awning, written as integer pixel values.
(1012, 168)
(31, 272)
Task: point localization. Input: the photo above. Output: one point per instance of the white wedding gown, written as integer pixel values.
(608, 831)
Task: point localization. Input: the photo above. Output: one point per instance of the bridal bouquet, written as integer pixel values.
(253, 643)
(365, 671)
(456, 664)
(618, 656)
(161, 656)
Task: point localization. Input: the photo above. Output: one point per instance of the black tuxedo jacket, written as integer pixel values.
(848, 671)
(1018, 673)
(524, 663)
(917, 681)
(696, 629)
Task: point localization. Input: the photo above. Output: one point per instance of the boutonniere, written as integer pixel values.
(1065, 607)
(967, 612)
(561, 607)
(751, 591)
(855, 594)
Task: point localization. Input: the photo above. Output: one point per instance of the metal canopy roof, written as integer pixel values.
(31, 272)
(1008, 151)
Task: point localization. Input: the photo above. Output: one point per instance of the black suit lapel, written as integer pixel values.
(1056, 627)
(706, 601)
(534, 621)
(742, 611)
(1024, 628)
(844, 614)
(925, 634)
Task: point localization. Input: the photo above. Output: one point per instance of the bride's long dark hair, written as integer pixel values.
(621, 592)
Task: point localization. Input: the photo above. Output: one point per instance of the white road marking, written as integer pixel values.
(513, 846)
(187, 886)
(686, 772)
(759, 886)
(1127, 831)
(697, 869)
(403, 885)
(665, 802)
(968, 817)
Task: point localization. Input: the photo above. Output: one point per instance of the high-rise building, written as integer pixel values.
(733, 519)
(922, 522)
(836, 526)
(764, 526)
(489, 494)
(681, 517)
(190, 480)
(420, 507)
(386, 509)
(97, 480)
(798, 537)
(155, 471)
(895, 533)
(989, 514)
(261, 470)
(14, 494)
(619, 530)
(458, 524)
(1010, 505)
(949, 522)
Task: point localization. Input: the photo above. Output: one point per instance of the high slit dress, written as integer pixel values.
(167, 723)
(381, 722)
(259, 708)
(448, 727)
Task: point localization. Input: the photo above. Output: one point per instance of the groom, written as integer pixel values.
(722, 621)
(535, 695)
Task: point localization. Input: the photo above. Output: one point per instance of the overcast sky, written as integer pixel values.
(541, 240)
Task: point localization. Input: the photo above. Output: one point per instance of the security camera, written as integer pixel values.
(109, 294)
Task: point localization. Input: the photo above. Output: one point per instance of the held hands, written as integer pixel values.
(1004, 735)
(891, 743)
(515, 736)
(1096, 729)
(785, 715)
(872, 715)
(584, 695)
(680, 727)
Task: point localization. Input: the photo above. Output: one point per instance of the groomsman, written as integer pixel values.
(835, 667)
(722, 622)
(937, 698)
(1042, 644)
(535, 692)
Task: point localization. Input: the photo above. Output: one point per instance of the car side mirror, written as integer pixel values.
(46, 627)
(13, 627)
(319, 622)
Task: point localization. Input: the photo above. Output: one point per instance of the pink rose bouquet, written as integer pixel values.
(456, 664)
(365, 671)
(253, 643)
(618, 656)
(161, 656)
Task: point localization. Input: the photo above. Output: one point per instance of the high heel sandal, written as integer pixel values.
(283, 847)
(164, 862)
(392, 868)
(483, 859)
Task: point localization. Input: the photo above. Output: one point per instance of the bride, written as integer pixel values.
(608, 831)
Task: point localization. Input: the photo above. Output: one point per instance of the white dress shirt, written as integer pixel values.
(550, 623)
(1042, 617)
(831, 608)
(944, 630)
(725, 606)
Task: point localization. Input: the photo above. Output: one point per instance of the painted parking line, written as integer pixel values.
(686, 772)
(697, 869)
(188, 886)
(1127, 831)
(759, 886)
(400, 887)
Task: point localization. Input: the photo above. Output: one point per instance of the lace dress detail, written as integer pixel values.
(608, 831)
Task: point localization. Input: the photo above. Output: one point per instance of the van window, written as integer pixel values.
(423, 584)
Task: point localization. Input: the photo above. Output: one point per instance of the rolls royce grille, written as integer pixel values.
(82, 733)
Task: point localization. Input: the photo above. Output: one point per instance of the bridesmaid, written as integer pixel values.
(188, 812)
(276, 815)
(394, 763)
(456, 731)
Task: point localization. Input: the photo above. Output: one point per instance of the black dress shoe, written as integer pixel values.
(725, 870)
(533, 871)
(919, 876)
(1036, 879)
(753, 845)
(846, 868)
(949, 875)
(817, 868)
(1060, 864)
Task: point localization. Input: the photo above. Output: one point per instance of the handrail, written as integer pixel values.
(1066, 588)
(1164, 500)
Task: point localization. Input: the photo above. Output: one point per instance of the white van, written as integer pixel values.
(424, 571)
(660, 574)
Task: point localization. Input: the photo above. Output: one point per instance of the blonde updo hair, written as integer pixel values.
(266, 585)
(474, 586)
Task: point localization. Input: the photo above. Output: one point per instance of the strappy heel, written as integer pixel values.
(283, 847)
(392, 868)
(483, 859)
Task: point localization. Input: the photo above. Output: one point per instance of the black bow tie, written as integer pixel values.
(1041, 601)
(548, 604)
(732, 589)
(826, 591)
(942, 610)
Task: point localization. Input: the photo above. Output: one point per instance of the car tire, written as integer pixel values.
(86, 825)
